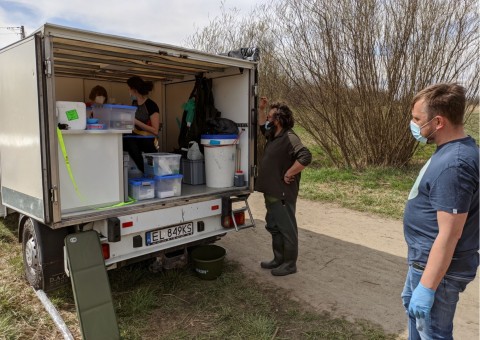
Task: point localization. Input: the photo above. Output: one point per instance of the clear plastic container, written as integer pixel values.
(161, 164)
(117, 117)
(168, 186)
(122, 117)
(141, 188)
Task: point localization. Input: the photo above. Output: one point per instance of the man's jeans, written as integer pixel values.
(439, 325)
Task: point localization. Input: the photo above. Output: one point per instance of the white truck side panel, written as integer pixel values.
(21, 165)
(234, 105)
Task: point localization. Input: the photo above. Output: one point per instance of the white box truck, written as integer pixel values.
(68, 181)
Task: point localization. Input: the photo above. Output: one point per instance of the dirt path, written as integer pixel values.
(351, 264)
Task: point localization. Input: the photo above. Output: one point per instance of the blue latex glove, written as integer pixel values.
(421, 302)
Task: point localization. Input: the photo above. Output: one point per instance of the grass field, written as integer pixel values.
(170, 305)
(177, 305)
(381, 191)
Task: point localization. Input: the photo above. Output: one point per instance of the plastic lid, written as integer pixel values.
(140, 181)
(169, 176)
(219, 136)
(115, 106)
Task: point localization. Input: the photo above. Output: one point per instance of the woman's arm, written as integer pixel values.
(155, 120)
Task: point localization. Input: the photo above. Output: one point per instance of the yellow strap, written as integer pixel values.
(67, 164)
(72, 178)
(143, 133)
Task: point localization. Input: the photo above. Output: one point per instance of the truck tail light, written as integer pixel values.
(106, 251)
(227, 221)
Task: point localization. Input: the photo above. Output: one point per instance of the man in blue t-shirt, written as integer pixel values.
(441, 216)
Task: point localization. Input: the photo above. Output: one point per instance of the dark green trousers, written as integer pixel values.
(282, 225)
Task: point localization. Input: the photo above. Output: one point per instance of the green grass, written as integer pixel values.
(174, 304)
(382, 191)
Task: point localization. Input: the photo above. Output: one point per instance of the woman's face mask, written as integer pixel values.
(268, 125)
(99, 100)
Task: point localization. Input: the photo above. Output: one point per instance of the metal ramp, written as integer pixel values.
(91, 287)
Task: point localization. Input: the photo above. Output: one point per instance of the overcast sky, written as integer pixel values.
(165, 21)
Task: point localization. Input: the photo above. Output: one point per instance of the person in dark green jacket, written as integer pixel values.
(279, 179)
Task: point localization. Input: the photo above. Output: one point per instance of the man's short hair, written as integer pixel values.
(445, 99)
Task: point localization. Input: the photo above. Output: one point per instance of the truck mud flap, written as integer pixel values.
(91, 287)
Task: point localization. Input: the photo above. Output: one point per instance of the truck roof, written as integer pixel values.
(87, 54)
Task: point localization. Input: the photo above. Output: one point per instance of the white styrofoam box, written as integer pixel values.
(161, 164)
(72, 113)
(141, 188)
(168, 186)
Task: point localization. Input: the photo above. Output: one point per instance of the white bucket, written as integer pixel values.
(219, 152)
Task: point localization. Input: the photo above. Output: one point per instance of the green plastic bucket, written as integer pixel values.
(208, 261)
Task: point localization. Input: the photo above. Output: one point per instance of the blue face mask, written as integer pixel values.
(268, 125)
(416, 131)
(132, 97)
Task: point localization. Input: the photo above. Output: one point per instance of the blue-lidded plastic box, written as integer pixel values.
(118, 117)
(141, 188)
(168, 186)
(161, 164)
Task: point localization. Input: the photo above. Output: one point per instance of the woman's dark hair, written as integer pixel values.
(142, 87)
(98, 91)
(283, 114)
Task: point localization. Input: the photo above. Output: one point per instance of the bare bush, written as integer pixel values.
(353, 67)
(350, 68)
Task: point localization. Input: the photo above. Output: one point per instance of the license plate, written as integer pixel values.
(170, 233)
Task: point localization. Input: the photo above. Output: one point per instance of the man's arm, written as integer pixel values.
(262, 115)
(450, 228)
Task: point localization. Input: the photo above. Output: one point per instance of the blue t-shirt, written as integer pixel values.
(447, 182)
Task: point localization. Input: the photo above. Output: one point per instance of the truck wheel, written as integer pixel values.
(31, 256)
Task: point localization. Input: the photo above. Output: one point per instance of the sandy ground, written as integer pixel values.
(351, 264)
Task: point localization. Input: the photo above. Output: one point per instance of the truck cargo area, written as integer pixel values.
(69, 63)
(69, 181)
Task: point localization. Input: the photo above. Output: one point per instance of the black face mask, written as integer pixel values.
(270, 133)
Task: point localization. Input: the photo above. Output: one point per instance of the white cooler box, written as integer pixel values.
(72, 113)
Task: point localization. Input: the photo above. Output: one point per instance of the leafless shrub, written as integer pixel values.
(353, 67)
(349, 68)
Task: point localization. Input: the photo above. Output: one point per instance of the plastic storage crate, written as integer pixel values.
(161, 164)
(168, 186)
(193, 171)
(117, 117)
(141, 188)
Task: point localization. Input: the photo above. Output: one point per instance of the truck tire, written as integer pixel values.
(31, 255)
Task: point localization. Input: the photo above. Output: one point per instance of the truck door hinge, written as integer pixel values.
(54, 194)
(255, 171)
(255, 89)
(48, 67)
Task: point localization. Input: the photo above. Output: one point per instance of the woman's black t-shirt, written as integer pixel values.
(144, 111)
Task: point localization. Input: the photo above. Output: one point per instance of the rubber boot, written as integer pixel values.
(277, 246)
(289, 266)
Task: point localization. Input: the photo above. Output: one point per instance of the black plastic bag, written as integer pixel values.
(221, 126)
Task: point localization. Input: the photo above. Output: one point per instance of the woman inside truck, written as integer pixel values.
(98, 96)
(147, 122)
